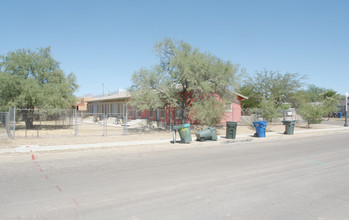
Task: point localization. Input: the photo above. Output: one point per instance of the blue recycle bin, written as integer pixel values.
(260, 128)
(339, 114)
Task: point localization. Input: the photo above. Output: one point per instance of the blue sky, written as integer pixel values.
(105, 41)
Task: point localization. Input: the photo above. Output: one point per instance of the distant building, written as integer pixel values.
(82, 103)
(116, 106)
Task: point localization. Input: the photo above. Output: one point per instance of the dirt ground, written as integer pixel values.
(67, 137)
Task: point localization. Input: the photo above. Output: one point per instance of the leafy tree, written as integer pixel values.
(183, 74)
(269, 91)
(254, 99)
(208, 111)
(311, 113)
(33, 79)
(330, 99)
(316, 102)
(299, 97)
(273, 86)
(314, 92)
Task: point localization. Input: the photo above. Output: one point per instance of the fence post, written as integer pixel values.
(170, 120)
(76, 120)
(126, 119)
(106, 124)
(103, 124)
(14, 122)
(8, 122)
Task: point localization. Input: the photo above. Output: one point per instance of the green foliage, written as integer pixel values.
(268, 110)
(253, 100)
(311, 113)
(272, 86)
(33, 79)
(183, 74)
(269, 91)
(313, 93)
(315, 102)
(208, 111)
(298, 98)
(330, 99)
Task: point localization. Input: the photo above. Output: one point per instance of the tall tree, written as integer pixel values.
(270, 90)
(184, 74)
(33, 79)
(273, 86)
(315, 102)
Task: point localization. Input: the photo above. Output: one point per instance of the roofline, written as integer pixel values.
(112, 97)
(128, 96)
(242, 96)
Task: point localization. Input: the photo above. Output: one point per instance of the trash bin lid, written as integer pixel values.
(176, 127)
(257, 123)
(232, 122)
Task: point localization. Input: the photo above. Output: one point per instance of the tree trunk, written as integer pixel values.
(183, 106)
(28, 116)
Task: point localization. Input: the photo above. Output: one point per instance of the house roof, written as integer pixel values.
(238, 94)
(127, 95)
(119, 96)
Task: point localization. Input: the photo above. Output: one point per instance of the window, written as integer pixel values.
(228, 107)
(151, 113)
(139, 114)
(162, 113)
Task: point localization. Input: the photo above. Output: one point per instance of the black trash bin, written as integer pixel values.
(231, 130)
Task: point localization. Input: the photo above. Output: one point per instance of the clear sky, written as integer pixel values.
(105, 41)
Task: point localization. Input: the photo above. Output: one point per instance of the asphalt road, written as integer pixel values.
(283, 178)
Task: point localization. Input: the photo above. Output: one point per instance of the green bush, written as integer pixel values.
(312, 113)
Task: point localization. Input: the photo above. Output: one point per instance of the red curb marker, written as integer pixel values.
(41, 170)
(76, 203)
(59, 188)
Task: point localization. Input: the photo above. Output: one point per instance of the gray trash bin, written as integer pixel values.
(209, 133)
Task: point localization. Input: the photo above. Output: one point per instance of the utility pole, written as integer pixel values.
(346, 110)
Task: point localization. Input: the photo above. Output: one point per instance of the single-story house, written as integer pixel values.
(81, 103)
(117, 106)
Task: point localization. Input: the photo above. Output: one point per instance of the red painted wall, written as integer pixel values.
(170, 113)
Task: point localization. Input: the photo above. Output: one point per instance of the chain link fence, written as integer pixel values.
(273, 117)
(101, 124)
(5, 124)
(41, 122)
(38, 123)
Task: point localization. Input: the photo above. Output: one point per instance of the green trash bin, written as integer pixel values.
(184, 132)
(209, 133)
(231, 130)
(289, 126)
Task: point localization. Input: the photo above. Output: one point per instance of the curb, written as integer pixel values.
(35, 148)
(240, 138)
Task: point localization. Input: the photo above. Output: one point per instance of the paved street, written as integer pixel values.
(305, 177)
